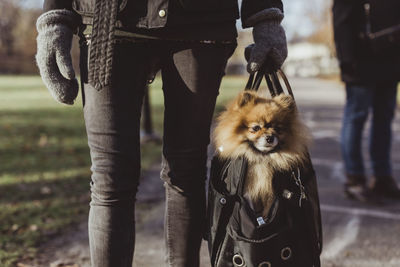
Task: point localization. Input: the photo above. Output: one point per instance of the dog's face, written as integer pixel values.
(263, 133)
(261, 125)
(265, 122)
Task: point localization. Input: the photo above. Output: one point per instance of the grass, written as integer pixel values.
(44, 162)
(398, 94)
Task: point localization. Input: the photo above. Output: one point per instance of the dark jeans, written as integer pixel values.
(191, 75)
(381, 101)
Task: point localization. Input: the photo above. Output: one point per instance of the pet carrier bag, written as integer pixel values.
(239, 237)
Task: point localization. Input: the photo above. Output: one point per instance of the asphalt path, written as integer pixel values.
(355, 234)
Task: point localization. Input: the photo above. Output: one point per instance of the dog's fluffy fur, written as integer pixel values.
(269, 134)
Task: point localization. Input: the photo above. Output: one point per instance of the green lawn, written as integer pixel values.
(398, 94)
(44, 162)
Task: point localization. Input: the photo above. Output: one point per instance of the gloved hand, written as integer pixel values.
(270, 45)
(56, 29)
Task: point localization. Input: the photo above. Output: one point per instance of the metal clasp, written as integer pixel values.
(286, 253)
(238, 260)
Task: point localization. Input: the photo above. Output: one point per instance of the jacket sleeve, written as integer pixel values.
(252, 7)
(57, 4)
(346, 16)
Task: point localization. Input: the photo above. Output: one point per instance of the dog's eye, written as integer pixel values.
(268, 125)
(255, 128)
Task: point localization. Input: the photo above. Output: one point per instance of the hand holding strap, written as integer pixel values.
(270, 46)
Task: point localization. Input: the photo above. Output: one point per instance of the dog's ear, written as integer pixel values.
(286, 101)
(245, 97)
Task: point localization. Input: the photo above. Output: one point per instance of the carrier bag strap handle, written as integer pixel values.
(241, 178)
(273, 82)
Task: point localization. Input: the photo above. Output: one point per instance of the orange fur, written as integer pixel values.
(241, 131)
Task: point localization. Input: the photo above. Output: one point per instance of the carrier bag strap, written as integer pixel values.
(273, 82)
(235, 171)
(241, 178)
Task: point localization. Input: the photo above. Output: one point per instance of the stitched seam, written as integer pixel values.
(169, 249)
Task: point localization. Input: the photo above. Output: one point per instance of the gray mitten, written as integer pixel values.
(270, 47)
(56, 29)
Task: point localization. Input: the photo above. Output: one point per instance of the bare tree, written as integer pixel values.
(9, 14)
(25, 32)
(319, 12)
(17, 36)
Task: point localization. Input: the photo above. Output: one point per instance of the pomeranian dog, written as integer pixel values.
(269, 134)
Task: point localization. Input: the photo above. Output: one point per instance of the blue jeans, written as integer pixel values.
(380, 100)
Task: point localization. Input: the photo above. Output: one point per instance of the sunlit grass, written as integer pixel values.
(398, 94)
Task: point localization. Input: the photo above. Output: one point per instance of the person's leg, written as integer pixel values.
(191, 79)
(384, 103)
(358, 103)
(112, 118)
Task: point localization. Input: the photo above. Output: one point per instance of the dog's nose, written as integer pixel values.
(270, 139)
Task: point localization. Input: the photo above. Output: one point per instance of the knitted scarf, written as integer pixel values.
(102, 43)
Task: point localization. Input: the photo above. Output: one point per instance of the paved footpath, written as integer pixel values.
(355, 234)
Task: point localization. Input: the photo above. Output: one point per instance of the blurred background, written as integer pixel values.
(44, 158)
(308, 27)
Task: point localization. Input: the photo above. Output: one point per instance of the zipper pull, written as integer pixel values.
(367, 9)
(300, 185)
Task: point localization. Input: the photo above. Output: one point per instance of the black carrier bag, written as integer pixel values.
(290, 236)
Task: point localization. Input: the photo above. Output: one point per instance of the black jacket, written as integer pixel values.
(359, 62)
(166, 16)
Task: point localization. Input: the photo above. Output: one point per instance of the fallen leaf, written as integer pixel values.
(45, 190)
(43, 140)
(14, 227)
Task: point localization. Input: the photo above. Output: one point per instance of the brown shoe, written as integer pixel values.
(361, 193)
(355, 188)
(355, 179)
(385, 186)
